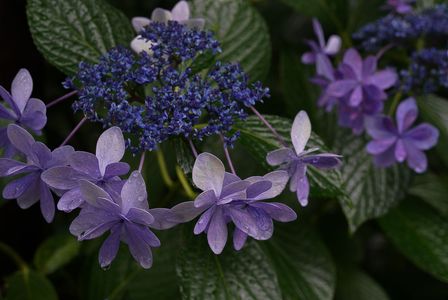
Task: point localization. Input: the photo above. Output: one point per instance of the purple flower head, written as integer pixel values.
(400, 6)
(21, 109)
(180, 13)
(226, 198)
(361, 80)
(102, 169)
(321, 49)
(31, 188)
(297, 161)
(127, 217)
(326, 101)
(400, 142)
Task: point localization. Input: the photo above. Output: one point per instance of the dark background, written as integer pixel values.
(24, 230)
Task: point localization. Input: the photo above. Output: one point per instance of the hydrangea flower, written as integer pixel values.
(21, 109)
(126, 217)
(297, 160)
(321, 50)
(400, 142)
(180, 13)
(31, 188)
(400, 6)
(226, 198)
(103, 169)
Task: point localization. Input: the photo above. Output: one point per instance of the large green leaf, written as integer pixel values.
(355, 284)
(242, 32)
(67, 32)
(435, 111)
(259, 140)
(421, 234)
(373, 191)
(304, 266)
(29, 285)
(55, 252)
(232, 275)
(433, 190)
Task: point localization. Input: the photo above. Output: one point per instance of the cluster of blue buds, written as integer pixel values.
(164, 92)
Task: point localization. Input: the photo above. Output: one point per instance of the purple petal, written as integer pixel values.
(21, 88)
(63, 178)
(217, 232)
(407, 113)
(161, 15)
(376, 147)
(229, 178)
(12, 167)
(61, 155)
(86, 163)
(239, 239)
(17, 187)
(385, 159)
(140, 216)
(258, 188)
(204, 220)
(134, 193)
(71, 200)
(91, 217)
(323, 160)
(264, 225)
(230, 190)
(340, 88)
(277, 211)
(424, 136)
(319, 33)
(309, 58)
(186, 211)
(369, 66)
(383, 79)
(300, 131)
(280, 156)
(138, 247)
(279, 179)
(91, 192)
(196, 23)
(164, 218)
(30, 196)
(42, 153)
(6, 96)
(333, 45)
(47, 206)
(110, 148)
(303, 188)
(34, 116)
(180, 11)
(116, 169)
(208, 173)
(354, 60)
(374, 93)
(356, 97)
(6, 114)
(400, 151)
(205, 199)
(99, 230)
(324, 66)
(416, 159)
(109, 249)
(381, 127)
(21, 139)
(139, 23)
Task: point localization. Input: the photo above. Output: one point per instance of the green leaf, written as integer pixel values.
(55, 252)
(184, 156)
(29, 285)
(242, 32)
(435, 111)
(433, 190)
(303, 264)
(421, 234)
(259, 140)
(232, 275)
(373, 191)
(67, 32)
(355, 284)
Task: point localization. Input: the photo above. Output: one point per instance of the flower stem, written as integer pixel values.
(74, 131)
(142, 162)
(8, 251)
(184, 182)
(193, 148)
(226, 151)
(272, 129)
(60, 99)
(163, 169)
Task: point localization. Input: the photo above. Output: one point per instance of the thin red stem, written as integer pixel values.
(268, 125)
(142, 161)
(193, 148)
(229, 159)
